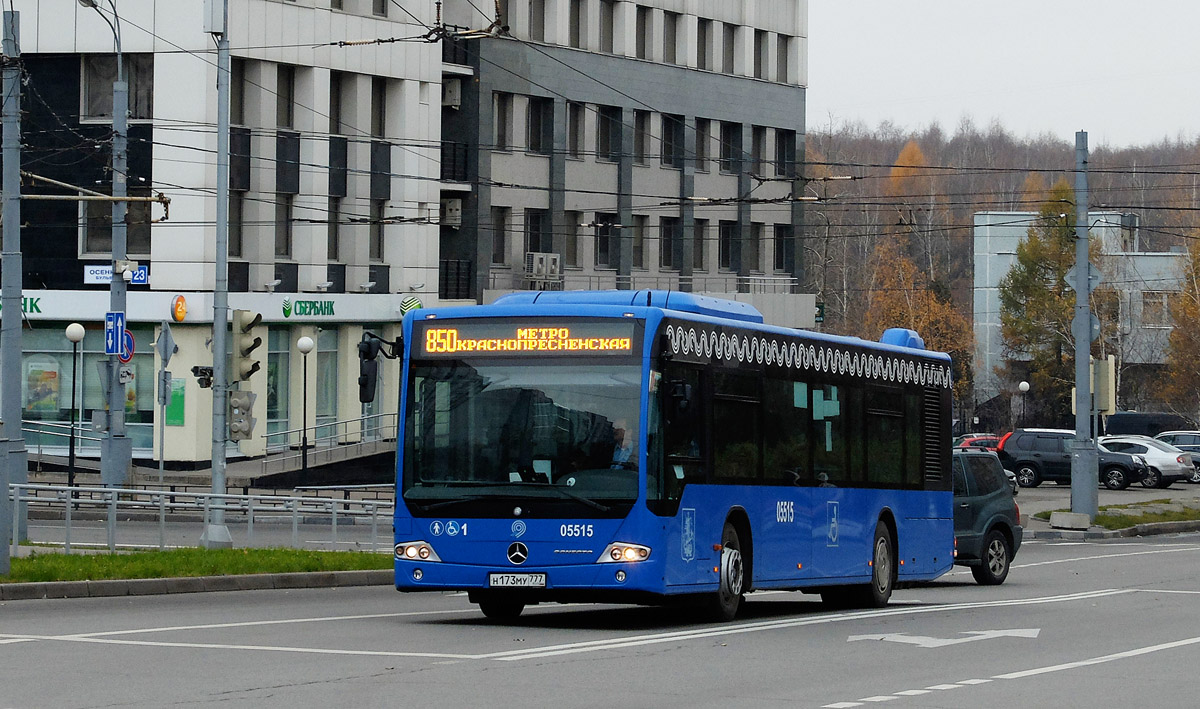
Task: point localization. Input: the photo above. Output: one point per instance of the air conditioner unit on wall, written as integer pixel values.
(451, 212)
(452, 93)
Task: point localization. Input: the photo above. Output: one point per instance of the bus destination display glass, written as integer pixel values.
(540, 338)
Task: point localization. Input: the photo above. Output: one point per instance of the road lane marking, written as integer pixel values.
(253, 623)
(930, 642)
(737, 629)
(260, 648)
(1105, 556)
(974, 681)
(1099, 660)
(944, 687)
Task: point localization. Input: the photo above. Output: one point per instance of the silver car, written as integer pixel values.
(1168, 464)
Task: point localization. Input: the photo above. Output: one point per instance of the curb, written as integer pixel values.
(1140, 530)
(193, 584)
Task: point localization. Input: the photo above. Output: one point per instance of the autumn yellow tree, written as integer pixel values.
(1181, 378)
(902, 297)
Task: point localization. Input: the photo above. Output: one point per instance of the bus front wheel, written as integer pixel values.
(732, 583)
(501, 608)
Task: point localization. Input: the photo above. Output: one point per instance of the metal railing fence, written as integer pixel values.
(76, 503)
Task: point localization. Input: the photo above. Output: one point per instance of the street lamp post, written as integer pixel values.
(1023, 387)
(74, 334)
(305, 345)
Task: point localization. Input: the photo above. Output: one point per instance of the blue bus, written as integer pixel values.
(655, 447)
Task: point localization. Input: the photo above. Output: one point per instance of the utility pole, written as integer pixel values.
(216, 19)
(1084, 458)
(14, 468)
(116, 450)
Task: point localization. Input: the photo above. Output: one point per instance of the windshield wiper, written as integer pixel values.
(567, 493)
(455, 501)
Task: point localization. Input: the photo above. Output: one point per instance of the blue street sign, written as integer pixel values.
(141, 276)
(114, 330)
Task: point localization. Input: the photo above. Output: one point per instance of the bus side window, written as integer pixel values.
(786, 448)
(829, 429)
(683, 424)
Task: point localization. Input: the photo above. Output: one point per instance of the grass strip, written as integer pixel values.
(186, 562)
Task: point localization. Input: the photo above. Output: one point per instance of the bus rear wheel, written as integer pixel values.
(732, 583)
(499, 608)
(883, 577)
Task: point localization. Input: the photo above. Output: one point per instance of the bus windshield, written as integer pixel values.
(481, 433)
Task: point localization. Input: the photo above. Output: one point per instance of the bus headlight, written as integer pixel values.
(416, 551)
(621, 552)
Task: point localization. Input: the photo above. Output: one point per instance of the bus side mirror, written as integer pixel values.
(681, 408)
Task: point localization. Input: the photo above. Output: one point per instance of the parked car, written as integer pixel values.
(1012, 480)
(1039, 454)
(988, 441)
(1167, 463)
(987, 521)
(958, 440)
(1186, 441)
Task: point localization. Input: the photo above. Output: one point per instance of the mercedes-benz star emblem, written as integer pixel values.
(518, 553)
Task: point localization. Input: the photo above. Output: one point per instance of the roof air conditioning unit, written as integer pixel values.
(452, 93)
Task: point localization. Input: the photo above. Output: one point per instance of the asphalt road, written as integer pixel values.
(1096, 624)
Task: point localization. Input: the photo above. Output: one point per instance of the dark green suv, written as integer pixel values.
(987, 522)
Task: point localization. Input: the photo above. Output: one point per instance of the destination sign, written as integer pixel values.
(517, 338)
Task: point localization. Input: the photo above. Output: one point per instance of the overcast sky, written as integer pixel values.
(1127, 73)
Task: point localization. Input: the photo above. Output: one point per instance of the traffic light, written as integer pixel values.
(368, 367)
(240, 416)
(203, 375)
(244, 342)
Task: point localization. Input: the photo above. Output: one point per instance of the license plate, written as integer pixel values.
(517, 580)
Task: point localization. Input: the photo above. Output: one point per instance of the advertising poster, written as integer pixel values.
(41, 385)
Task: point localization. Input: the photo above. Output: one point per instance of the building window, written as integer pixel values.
(334, 230)
(538, 237)
(785, 153)
(672, 140)
(337, 82)
(608, 15)
(571, 238)
(669, 234)
(575, 119)
(379, 92)
(726, 243)
(279, 353)
(285, 96)
(753, 252)
(641, 136)
(783, 58)
(640, 224)
(785, 247)
(728, 45)
(577, 23)
(97, 228)
(283, 225)
(699, 243)
(99, 73)
(335, 4)
(703, 140)
(606, 240)
(327, 381)
(731, 146)
(237, 209)
(539, 125)
(537, 20)
(641, 30)
(375, 248)
(1156, 310)
(760, 54)
(608, 133)
(379, 8)
(671, 37)
(237, 91)
(500, 217)
(503, 121)
(758, 150)
(704, 44)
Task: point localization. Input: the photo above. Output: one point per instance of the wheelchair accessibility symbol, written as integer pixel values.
(831, 511)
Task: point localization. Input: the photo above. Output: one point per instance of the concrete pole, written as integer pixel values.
(1084, 458)
(14, 468)
(117, 449)
(216, 534)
